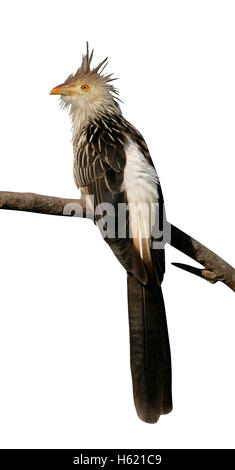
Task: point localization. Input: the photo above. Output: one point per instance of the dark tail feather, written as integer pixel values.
(150, 351)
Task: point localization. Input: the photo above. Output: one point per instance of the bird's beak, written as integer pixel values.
(63, 89)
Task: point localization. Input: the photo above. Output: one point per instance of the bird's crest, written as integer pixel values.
(89, 90)
(93, 73)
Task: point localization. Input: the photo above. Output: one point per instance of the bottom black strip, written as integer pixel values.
(108, 459)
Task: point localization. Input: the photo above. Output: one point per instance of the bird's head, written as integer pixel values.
(88, 91)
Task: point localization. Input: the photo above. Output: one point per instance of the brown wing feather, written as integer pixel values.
(99, 166)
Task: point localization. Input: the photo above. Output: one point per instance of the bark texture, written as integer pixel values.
(215, 268)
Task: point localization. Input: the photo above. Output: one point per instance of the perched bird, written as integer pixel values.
(112, 164)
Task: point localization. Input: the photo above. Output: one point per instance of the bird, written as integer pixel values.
(114, 170)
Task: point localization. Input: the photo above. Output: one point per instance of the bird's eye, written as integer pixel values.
(84, 87)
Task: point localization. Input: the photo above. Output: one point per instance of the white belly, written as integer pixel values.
(140, 184)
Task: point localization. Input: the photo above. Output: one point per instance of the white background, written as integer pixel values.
(64, 344)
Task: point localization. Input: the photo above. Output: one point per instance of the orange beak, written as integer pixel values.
(63, 89)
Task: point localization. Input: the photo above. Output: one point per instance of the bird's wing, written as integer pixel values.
(99, 166)
(100, 155)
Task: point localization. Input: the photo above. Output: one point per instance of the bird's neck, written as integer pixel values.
(82, 116)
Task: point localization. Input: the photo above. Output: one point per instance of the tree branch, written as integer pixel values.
(216, 269)
(31, 202)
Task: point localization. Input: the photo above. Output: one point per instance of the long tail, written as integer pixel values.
(150, 351)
